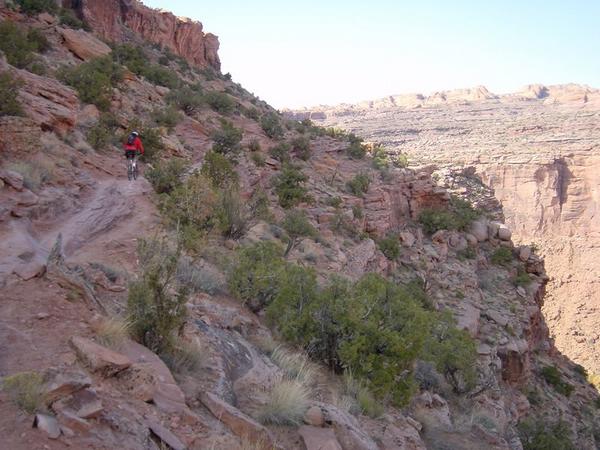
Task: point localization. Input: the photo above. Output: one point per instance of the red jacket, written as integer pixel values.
(137, 145)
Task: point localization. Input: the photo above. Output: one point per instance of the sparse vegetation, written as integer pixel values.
(296, 365)
(9, 90)
(136, 60)
(297, 226)
(458, 216)
(35, 174)
(156, 304)
(220, 101)
(280, 152)
(68, 19)
(301, 148)
(184, 357)
(542, 435)
(93, 80)
(33, 7)
(359, 184)
(227, 139)
(289, 186)
(25, 389)
(287, 403)
(390, 246)
(271, 125)
(187, 99)
(168, 117)
(113, 332)
(359, 399)
(230, 213)
(522, 278)
(166, 177)
(102, 134)
(219, 170)
(502, 256)
(18, 46)
(554, 378)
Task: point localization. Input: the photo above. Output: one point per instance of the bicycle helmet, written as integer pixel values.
(135, 133)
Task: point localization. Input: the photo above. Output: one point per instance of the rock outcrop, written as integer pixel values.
(115, 20)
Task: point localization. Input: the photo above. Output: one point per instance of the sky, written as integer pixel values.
(295, 54)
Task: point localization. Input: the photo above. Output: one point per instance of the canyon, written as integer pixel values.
(539, 152)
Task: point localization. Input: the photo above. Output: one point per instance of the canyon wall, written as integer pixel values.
(539, 150)
(117, 20)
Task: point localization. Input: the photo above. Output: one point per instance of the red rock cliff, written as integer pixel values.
(116, 19)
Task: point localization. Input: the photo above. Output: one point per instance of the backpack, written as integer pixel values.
(131, 139)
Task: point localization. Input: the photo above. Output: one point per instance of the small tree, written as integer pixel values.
(296, 225)
(155, 312)
(227, 139)
(289, 186)
(271, 125)
(219, 170)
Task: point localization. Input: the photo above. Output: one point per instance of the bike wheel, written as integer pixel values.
(129, 170)
(135, 171)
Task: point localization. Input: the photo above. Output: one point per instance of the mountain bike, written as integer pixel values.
(132, 167)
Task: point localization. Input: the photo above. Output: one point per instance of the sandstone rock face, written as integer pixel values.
(538, 151)
(113, 18)
(319, 438)
(99, 359)
(84, 45)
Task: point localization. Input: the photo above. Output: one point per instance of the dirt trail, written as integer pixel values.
(113, 213)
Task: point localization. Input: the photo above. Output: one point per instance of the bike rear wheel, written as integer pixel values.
(135, 170)
(129, 168)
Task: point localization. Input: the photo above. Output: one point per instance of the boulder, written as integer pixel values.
(83, 404)
(165, 435)
(479, 229)
(83, 45)
(98, 358)
(407, 238)
(13, 179)
(347, 429)
(239, 423)
(30, 270)
(524, 253)
(504, 233)
(48, 424)
(319, 438)
(314, 416)
(61, 383)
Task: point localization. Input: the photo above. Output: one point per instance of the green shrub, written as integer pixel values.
(93, 80)
(9, 91)
(357, 212)
(301, 148)
(542, 435)
(356, 150)
(502, 256)
(581, 371)
(34, 174)
(15, 45)
(280, 152)
(400, 160)
(70, 20)
(380, 158)
(165, 177)
(168, 117)
(297, 226)
(190, 207)
(227, 139)
(359, 184)
(26, 390)
(258, 159)
(467, 253)
(220, 102)
(271, 125)
(230, 213)
(452, 351)
(289, 186)
(334, 202)
(102, 134)
(254, 280)
(186, 99)
(156, 305)
(41, 44)
(522, 278)
(219, 170)
(251, 113)
(136, 60)
(390, 247)
(458, 216)
(32, 7)
(553, 377)
(254, 145)
(38, 67)
(362, 400)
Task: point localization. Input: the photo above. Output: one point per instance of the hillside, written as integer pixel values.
(537, 150)
(266, 283)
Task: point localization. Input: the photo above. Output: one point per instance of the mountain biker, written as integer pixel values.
(133, 145)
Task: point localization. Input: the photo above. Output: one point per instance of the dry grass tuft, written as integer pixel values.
(26, 390)
(356, 398)
(296, 366)
(287, 403)
(113, 332)
(186, 357)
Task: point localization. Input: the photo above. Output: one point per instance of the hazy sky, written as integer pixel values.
(305, 53)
